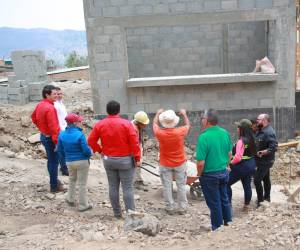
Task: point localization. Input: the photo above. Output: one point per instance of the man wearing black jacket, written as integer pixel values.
(266, 147)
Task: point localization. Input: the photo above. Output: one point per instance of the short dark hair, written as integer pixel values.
(211, 115)
(47, 90)
(113, 108)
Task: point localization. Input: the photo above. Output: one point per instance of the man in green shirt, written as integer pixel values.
(213, 153)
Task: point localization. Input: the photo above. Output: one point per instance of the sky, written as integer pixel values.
(50, 14)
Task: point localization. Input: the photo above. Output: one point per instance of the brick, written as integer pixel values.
(229, 4)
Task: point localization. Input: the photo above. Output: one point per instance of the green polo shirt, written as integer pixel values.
(213, 146)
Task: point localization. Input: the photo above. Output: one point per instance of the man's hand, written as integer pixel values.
(159, 111)
(182, 112)
(138, 164)
(262, 153)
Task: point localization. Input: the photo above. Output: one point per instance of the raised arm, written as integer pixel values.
(185, 118)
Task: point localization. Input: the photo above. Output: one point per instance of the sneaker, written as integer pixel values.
(170, 211)
(246, 208)
(71, 204)
(89, 207)
(118, 216)
(60, 188)
(182, 211)
(64, 172)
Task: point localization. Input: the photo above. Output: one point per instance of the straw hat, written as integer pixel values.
(141, 117)
(168, 119)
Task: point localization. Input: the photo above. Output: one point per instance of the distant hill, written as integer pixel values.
(56, 44)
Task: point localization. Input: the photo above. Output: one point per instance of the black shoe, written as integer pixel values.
(268, 199)
(64, 172)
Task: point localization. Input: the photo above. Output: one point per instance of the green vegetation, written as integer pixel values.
(75, 60)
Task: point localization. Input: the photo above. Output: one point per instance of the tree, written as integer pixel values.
(75, 60)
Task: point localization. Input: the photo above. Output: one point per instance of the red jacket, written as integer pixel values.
(45, 118)
(117, 138)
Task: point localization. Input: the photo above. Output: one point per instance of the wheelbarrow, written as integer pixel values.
(192, 181)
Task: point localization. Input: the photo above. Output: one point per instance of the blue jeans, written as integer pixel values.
(62, 163)
(243, 171)
(52, 163)
(214, 187)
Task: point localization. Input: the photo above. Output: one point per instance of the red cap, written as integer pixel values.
(72, 118)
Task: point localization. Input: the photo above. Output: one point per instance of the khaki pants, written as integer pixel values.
(78, 172)
(166, 175)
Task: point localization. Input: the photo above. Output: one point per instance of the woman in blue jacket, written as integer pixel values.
(73, 146)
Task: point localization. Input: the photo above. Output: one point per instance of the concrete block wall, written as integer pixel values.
(174, 50)
(3, 94)
(121, 8)
(29, 65)
(18, 96)
(35, 90)
(116, 27)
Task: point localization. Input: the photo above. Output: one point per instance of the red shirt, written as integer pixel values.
(45, 118)
(171, 145)
(117, 138)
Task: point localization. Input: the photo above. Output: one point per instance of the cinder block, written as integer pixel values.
(111, 29)
(4, 89)
(178, 7)
(279, 3)
(11, 79)
(264, 3)
(247, 4)
(195, 6)
(17, 84)
(212, 4)
(229, 4)
(127, 10)
(144, 9)
(111, 11)
(160, 8)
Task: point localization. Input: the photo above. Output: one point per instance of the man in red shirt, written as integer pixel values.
(45, 118)
(116, 140)
(172, 158)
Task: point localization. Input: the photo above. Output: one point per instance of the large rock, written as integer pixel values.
(5, 140)
(142, 222)
(34, 138)
(25, 121)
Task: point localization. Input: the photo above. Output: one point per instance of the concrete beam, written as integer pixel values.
(201, 79)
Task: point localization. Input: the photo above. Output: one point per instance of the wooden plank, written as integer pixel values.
(288, 144)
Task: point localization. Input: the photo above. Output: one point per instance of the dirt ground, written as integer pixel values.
(33, 218)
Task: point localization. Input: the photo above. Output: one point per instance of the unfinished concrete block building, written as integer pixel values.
(194, 54)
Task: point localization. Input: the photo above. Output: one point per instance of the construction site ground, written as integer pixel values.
(33, 218)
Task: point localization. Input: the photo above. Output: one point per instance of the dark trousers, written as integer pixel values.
(243, 171)
(62, 163)
(52, 163)
(214, 187)
(262, 174)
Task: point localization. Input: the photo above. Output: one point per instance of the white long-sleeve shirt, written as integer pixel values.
(61, 114)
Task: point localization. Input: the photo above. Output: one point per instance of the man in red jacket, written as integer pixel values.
(45, 118)
(120, 151)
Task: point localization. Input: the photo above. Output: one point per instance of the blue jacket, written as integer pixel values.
(72, 144)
